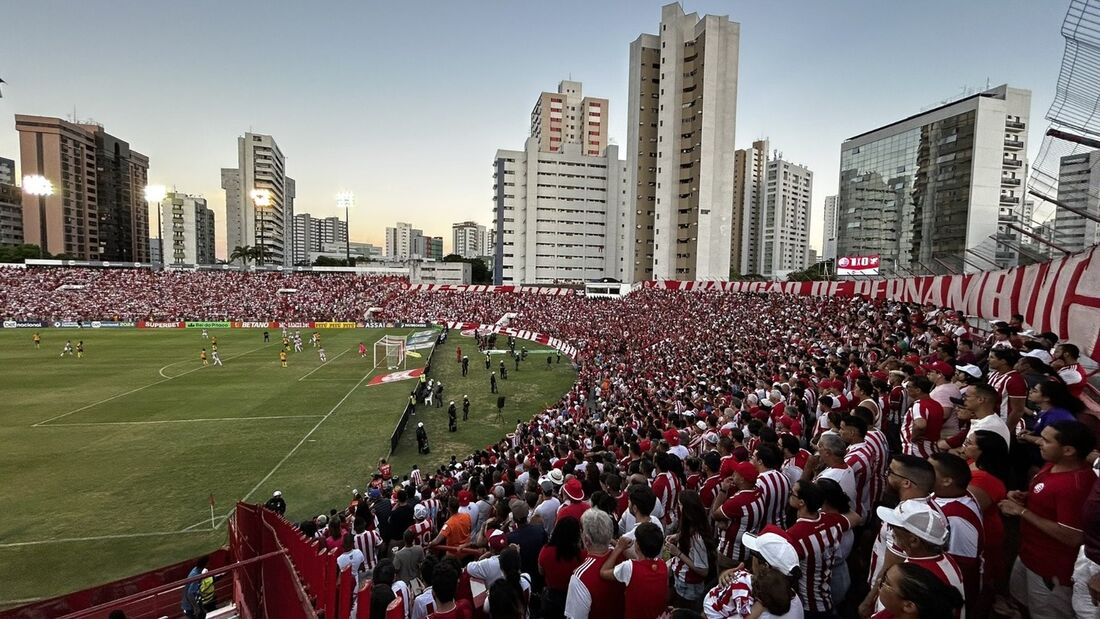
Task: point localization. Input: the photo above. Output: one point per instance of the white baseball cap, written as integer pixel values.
(1039, 354)
(919, 518)
(277, 493)
(420, 512)
(970, 369)
(420, 425)
(774, 544)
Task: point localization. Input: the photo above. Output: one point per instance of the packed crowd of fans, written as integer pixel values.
(37, 293)
(737, 455)
(719, 455)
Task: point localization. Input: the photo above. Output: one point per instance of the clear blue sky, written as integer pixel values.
(405, 103)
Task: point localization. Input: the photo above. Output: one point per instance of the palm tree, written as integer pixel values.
(244, 254)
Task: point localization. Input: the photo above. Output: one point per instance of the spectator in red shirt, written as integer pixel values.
(910, 591)
(645, 578)
(557, 561)
(1051, 520)
(989, 471)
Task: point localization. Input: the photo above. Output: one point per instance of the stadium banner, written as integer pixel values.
(411, 325)
(23, 324)
(334, 325)
(1061, 296)
(245, 324)
(566, 348)
(295, 325)
(100, 324)
(857, 265)
(548, 290)
(151, 324)
(66, 324)
(211, 324)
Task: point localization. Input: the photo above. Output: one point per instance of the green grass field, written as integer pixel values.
(108, 461)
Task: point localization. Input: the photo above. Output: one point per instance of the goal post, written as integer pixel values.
(390, 351)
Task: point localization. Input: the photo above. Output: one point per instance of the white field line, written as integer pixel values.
(63, 540)
(115, 397)
(290, 453)
(161, 371)
(324, 364)
(197, 420)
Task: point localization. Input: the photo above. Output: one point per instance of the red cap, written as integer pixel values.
(880, 375)
(645, 445)
(940, 366)
(497, 540)
(912, 359)
(729, 465)
(746, 470)
(464, 497)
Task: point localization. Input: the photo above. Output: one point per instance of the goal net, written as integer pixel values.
(390, 351)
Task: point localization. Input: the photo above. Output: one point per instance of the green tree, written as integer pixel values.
(817, 272)
(20, 253)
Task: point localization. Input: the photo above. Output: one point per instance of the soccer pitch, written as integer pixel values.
(109, 461)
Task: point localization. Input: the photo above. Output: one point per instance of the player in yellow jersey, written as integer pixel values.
(80, 349)
(282, 358)
(37, 340)
(202, 356)
(213, 341)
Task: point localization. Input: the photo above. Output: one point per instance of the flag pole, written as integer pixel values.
(212, 512)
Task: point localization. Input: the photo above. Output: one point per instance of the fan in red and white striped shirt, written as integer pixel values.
(816, 536)
(369, 543)
(741, 512)
(964, 518)
(422, 528)
(773, 484)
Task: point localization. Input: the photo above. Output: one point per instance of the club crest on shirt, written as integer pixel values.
(1039, 487)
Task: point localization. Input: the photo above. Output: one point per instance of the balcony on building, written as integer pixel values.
(1013, 143)
(1013, 163)
(1014, 125)
(1009, 200)
(1008, 181)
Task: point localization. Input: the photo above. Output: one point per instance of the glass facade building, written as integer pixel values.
(924, 192)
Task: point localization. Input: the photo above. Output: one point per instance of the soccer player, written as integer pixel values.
(202, 357)
(286, 342)
(267, 336)
(362, 349)
(37, 340)
(68, 348)
(315, 339)
(80, 349)
(214, 355)
(205, 335)
(214, 341)
(282, 358)
(321, 352)
(297, 343)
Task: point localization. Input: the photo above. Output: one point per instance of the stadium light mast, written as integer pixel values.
(261, 199)
(38, 185)
(156, 193)
(346, 199)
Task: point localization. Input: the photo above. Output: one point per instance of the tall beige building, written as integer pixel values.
(680, 149)
(565, 117)
(97, 209)
(260, 166)
(748, 194)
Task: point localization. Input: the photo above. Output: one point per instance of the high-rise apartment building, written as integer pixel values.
(122, 175)
(187, 229)
(680, 148)
(785, 218)
(260, 166)
(558, 202)
(311, 234)
(927, 190)
(434, 247)
(828, 235)
(403, 242)
(566, 117)
(1078, 187)
(7, 171)
(469, 239)
(97, 209)
(11, 214)
(748, 196)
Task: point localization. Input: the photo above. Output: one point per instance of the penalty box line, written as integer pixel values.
(115, 397)
(292, 451)
(169, 421)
